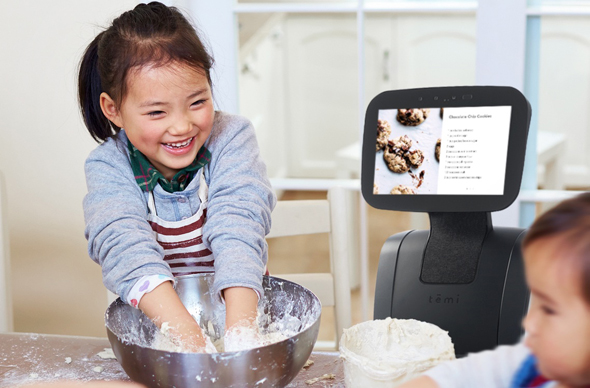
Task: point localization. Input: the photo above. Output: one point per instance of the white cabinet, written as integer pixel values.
(312, 79)
(262, 90)
(564, 91)
(322, 91)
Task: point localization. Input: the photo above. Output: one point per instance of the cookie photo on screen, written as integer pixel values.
(412, 117)
(407, 166)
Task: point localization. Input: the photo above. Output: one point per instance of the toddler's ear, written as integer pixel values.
(109, 109)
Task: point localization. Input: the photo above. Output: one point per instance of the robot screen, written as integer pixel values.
(442, 150)
(445, 149)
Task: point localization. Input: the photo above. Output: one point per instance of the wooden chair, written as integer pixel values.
(6, 321)
(300, 217)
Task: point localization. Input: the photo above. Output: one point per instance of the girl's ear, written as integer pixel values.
(109, 109)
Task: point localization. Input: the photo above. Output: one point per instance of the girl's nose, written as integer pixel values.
(181, 127)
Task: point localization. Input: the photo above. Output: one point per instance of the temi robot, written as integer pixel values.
(458, 154)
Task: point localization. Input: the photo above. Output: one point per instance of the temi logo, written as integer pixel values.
(439, 298)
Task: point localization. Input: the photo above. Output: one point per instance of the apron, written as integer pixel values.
(182, 240)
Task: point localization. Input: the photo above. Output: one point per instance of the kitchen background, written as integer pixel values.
(296, 69)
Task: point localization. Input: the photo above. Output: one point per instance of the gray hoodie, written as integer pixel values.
(238, 213)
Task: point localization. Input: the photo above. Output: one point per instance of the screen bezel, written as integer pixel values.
(449, 97)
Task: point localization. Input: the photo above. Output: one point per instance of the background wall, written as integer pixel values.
(43, 145)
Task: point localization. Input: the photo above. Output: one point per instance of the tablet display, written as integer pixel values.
(445, 149)
(454, 151)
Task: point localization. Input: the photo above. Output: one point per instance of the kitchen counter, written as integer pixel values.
(29, 358)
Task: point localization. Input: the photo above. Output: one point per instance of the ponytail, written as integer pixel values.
(89, 90)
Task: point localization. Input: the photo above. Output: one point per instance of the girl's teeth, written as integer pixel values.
(179, 145)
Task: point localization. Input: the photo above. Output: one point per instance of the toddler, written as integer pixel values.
(555, 351)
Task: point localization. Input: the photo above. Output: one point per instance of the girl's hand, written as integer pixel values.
(163, 306)
(187, 337)
(244, 335)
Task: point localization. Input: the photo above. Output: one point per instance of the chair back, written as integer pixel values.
(300, 217)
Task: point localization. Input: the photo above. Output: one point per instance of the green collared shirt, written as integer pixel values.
(147, 176)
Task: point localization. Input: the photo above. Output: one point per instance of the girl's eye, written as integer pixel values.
(155, 113)
(198, 102)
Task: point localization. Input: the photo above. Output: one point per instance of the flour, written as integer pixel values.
(384, 353)
(33, 355)
(242, 336)
(162, 341)
(106, 354)
(245, 336)
(268, 329)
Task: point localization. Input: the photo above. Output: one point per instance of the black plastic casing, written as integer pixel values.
(479, 315)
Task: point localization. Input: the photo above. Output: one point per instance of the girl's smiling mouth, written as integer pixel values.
(179, 145)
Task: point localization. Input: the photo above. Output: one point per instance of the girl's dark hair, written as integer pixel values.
(151, 34)
(569, 221)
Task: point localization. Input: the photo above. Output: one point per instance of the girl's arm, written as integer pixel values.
(239, 205)
(115, 211)
(161, 305)
(240, 305)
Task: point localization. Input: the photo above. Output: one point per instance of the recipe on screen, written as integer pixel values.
(450, 151)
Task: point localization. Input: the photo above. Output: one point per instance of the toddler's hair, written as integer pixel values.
(150, 34)
(570, 222)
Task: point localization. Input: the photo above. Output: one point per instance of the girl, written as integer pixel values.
(175, 188)
(556, 347)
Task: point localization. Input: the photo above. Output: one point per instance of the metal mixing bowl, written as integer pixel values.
(131, 332)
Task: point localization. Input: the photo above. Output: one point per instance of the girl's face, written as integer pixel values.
(167, 114)
(558, 321)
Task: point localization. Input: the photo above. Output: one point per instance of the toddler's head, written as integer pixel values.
(149, 36)
(557, 261)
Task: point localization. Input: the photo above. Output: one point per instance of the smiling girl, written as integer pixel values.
(175, 187)
(556, 349)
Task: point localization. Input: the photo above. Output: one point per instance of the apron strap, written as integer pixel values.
(203, 187)
(151, 203)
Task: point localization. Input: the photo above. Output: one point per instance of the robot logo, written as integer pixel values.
(439, 298)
